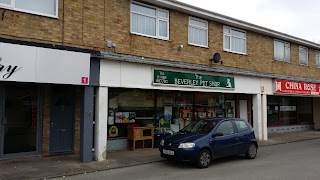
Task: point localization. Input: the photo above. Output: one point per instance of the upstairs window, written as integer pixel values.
(234, 40)
(149, 21)
(198, 32)
(303, 55)
(318, 58)
(39, 7)
(281, 51)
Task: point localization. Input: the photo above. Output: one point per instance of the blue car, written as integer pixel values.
(202, 141)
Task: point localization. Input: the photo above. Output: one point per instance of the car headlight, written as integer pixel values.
(162, 142)
(186, 145)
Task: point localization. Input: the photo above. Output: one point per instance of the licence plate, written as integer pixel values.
(168, 152)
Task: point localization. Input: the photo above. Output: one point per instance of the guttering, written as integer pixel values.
(198, 67)
(203, 13)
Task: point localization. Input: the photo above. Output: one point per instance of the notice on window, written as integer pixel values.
(288, 108)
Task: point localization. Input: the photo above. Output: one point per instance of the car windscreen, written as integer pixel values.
(202, 126)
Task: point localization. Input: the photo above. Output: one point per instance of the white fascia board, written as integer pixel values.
(203, 13)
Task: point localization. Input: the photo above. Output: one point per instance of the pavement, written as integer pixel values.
(68, 165)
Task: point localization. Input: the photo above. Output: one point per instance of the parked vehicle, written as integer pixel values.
(202, 141)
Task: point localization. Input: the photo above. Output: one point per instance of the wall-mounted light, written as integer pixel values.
(216, 58)
(110, 44)
(180, 47)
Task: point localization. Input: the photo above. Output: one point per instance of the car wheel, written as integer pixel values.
(252, 151)
(204, 159)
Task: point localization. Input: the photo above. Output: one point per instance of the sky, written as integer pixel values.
(299, 18)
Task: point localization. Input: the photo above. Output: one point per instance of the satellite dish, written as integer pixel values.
(216, 58)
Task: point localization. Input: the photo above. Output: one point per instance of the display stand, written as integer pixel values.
(140, 137)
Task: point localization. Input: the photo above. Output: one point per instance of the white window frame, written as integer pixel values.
(201, 28)
(318, 59)
(303, 49)
(225, 34)
(157, 20)
(284, 44)
(12, 7)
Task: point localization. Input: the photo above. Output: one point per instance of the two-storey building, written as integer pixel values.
(158, 63)
(47, 78)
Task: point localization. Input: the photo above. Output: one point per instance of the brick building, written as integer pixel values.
(160, 63)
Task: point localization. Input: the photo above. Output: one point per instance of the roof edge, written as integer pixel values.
(210, 15)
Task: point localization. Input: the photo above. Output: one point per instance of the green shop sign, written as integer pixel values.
(191, 79)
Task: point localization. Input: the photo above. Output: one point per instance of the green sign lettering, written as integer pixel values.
(191, 79)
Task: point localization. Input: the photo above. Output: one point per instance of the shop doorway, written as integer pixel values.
(244, 109)
(62, 120)
(19, 127)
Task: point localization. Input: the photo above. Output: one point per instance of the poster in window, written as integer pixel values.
(110, 120)
(113, 131)
(230, 109)
(125, 117)
(165, 121)
(118, 117)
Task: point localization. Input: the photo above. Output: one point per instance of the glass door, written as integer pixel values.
(20, 126)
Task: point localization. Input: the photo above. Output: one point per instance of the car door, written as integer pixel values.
(242, 135)
(223, 140)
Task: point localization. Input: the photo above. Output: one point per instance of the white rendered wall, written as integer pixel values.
(101, 129)
(257, 115)
(134, 75)
(264, 117)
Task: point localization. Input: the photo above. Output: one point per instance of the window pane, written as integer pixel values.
(163, 14)
(8, 2)
(241, 126)
(238, 45)
(144, 10)
(303, 58)
(21, 110)
(226, 30)
(198, 23)
(287, 53)
(273, 110)
(143, 24)
(198, 36)
(238, 34)
(288, 110)
(40, 6)
(305, 110)
(278, 50)
(163, 28)
(318, 59)
(227, 42)
(226, 128)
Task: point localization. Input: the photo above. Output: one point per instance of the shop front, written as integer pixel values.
(291, 108)
(166, 99)
(40, 100)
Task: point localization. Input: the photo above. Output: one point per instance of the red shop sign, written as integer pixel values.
(294, 87)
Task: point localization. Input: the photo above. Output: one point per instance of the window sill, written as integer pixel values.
(153, 37)
(304, 65)
(277, 60)
(234, 52)
(29, 12)
(197, 45)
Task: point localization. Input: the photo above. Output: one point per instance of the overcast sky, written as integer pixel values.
(300, 18)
